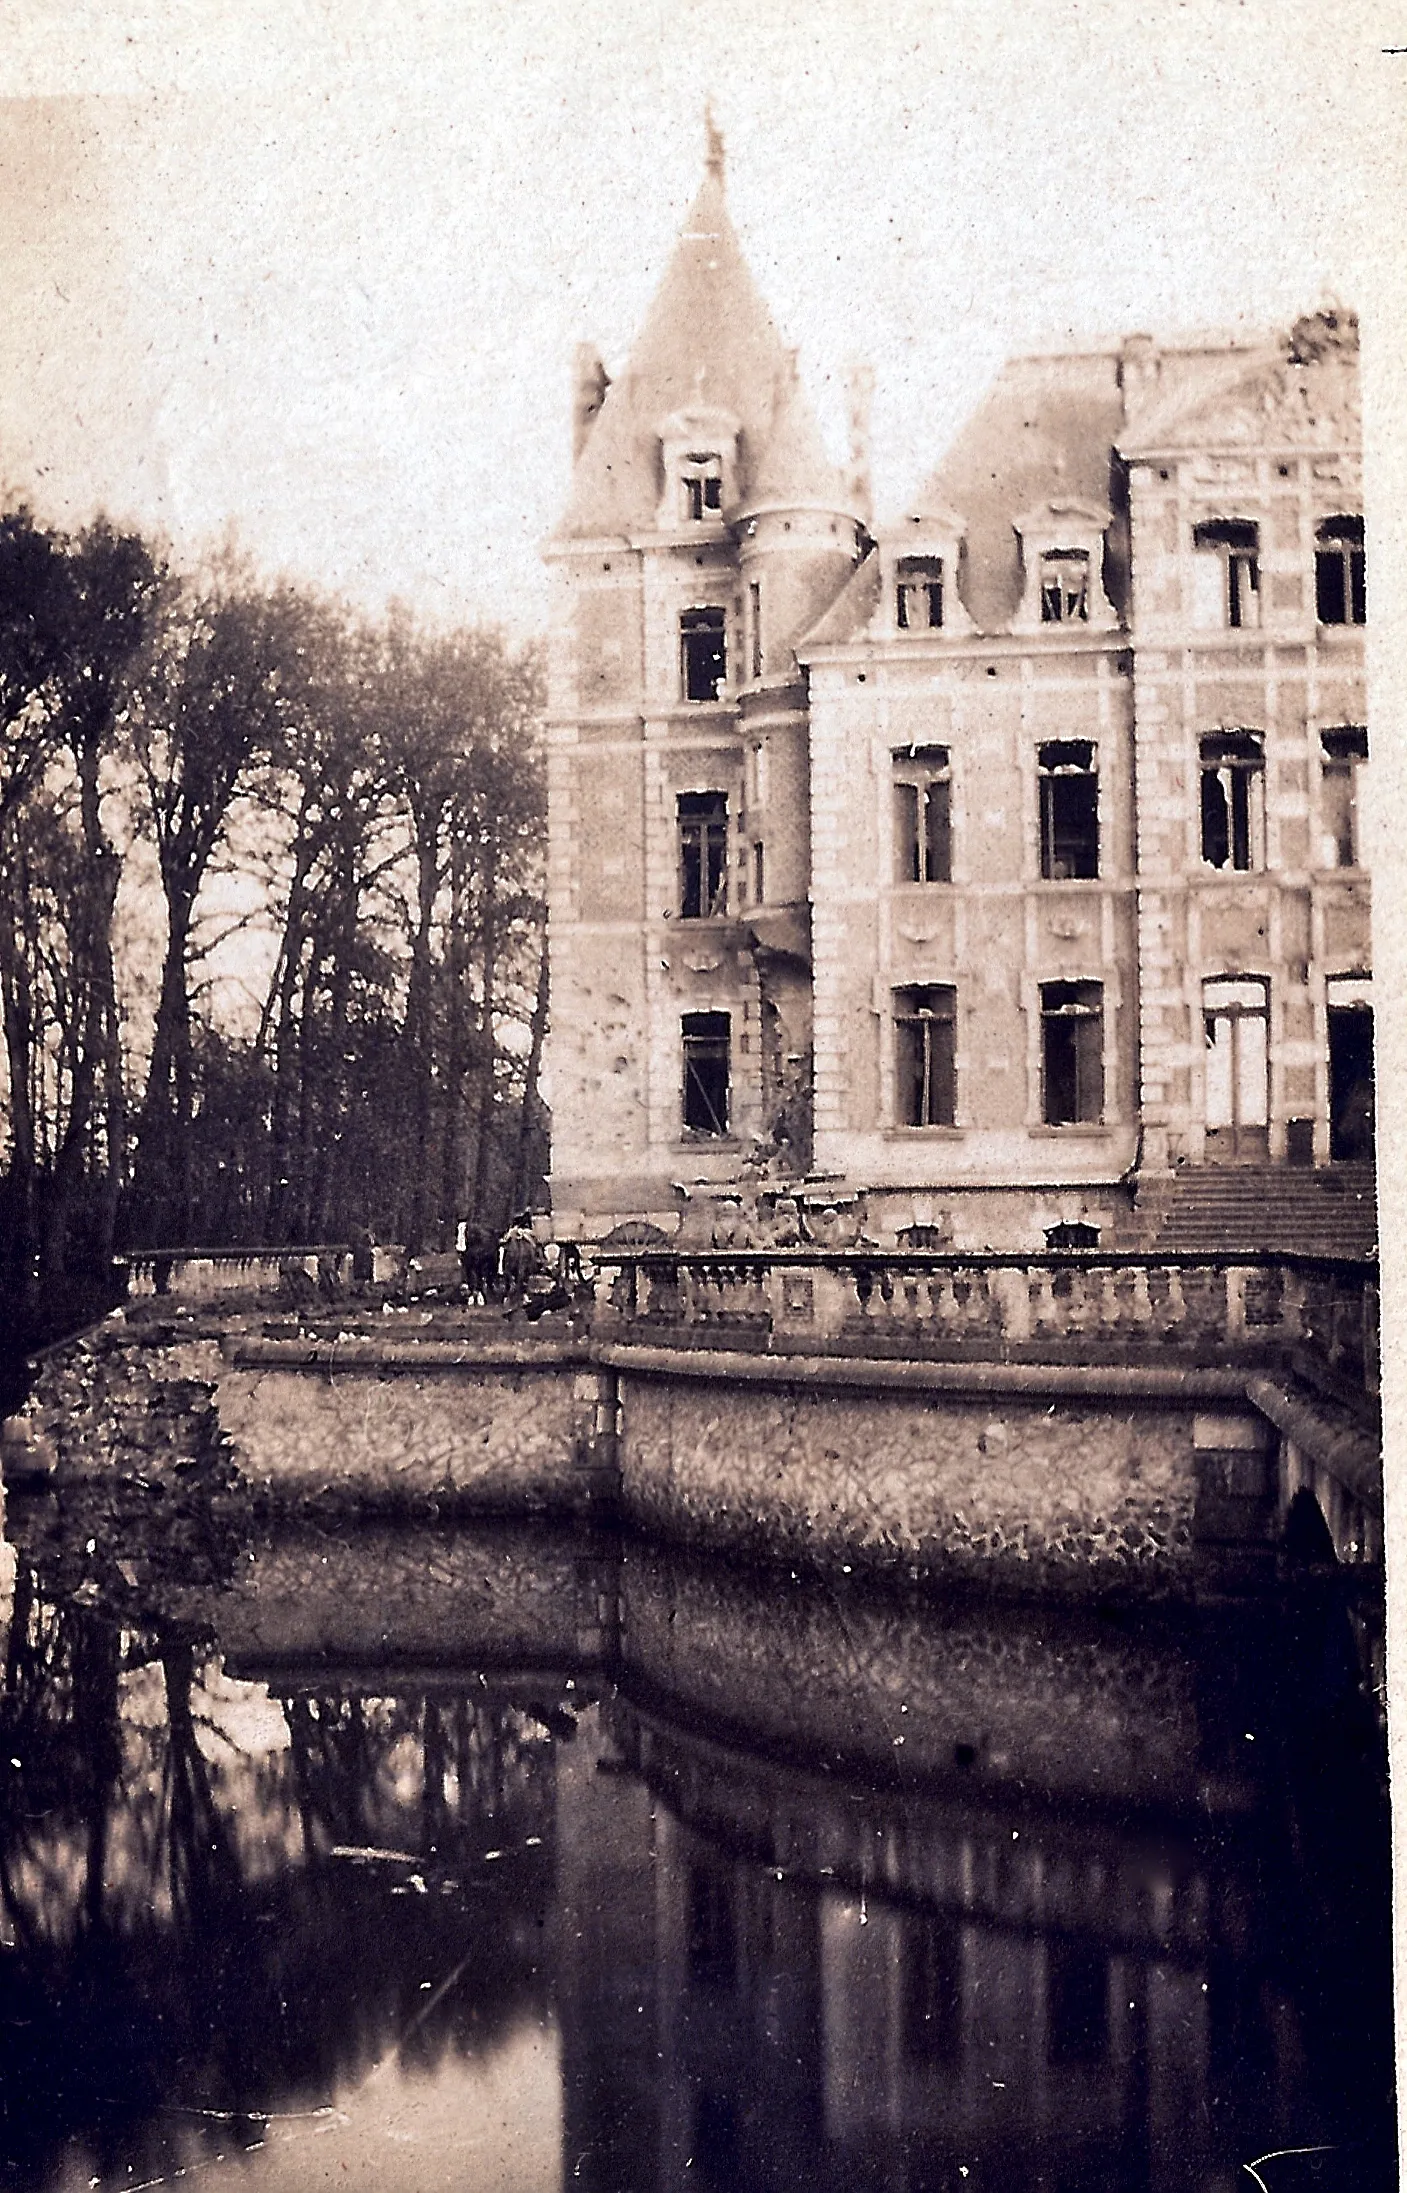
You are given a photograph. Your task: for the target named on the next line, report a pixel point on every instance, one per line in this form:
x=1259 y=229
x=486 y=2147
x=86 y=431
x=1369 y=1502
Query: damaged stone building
x=998 y=867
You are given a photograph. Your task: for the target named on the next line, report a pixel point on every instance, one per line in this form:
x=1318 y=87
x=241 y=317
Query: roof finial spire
x=713 y=140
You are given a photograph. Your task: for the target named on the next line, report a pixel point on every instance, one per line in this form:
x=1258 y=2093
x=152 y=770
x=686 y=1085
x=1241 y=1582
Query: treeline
x=271 y=923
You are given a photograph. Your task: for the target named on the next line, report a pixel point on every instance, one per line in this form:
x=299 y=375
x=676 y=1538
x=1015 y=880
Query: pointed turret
x=709 y=347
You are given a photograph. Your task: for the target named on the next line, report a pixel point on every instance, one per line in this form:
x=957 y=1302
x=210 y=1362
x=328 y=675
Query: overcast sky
x=313 y=271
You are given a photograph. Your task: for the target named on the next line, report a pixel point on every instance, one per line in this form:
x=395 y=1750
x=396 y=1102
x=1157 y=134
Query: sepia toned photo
x=695 y=742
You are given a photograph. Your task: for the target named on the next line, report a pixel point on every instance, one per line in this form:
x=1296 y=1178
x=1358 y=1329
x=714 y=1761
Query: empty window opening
x=706 y=1041
x=702 y=480
x=759 y=874
x=1351 y=1103
x=1069 y=792
x=704 y=653
x=923 y=818
x=703 y=854
x=925 y=1029
x=931 y=1955
x=1228 y=572
x=712 y=1931
x=1339 y=578
x=1077 y=2002
x=918 y=602
x=754 y=595
x=1064 y=586
x=1233 y=800
x=1236 y=1034
x=1344 y=751
x=1072 y=1053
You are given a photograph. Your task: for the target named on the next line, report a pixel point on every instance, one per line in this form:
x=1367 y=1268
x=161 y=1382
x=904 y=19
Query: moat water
x=515 y=1860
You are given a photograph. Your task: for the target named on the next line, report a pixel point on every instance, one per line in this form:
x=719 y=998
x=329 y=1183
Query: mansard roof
x=708 y=342
x=1044 y=433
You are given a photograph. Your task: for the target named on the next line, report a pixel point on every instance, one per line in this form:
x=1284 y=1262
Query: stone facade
x=982 y=863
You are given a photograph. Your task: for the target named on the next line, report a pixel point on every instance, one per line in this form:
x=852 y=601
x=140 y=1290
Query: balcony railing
x=1055 y=1306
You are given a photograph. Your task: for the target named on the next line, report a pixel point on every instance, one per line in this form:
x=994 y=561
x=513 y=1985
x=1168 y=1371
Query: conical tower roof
x=795 y=466
x=708 y=342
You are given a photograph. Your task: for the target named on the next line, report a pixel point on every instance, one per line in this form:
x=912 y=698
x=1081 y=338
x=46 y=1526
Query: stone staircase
x=1324 y=1211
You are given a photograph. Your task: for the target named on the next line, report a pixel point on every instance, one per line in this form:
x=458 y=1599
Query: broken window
x=1344 y=751
x=1228 y=572
x=1069 y=789
x=703 y=653
x=1233 y=800
x=706 y=1044
x=754 y=595
x=701 y=476
x=1236 y=1027
x=1072 y=1053
x=1339 y=590
x=922 y=815
x=1064 y=586
x=918 y=603
x=925 y=1027
x=703 y=854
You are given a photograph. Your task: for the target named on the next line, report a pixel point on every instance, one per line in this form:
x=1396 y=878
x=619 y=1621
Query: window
x=706 y=1040
x=1349 y=1001
x=712 y=1938
x=931 y=1953
x=703 y=653
x=1236 y=1029
x=1228 y=572
x=1339 y=591
x=703 y=854
x=759 y=874
x=1064 y=586
x=701 y=478
x=754 y=595
x=1077 y=2002
x=922 y=815
x=1344 y=751
x=918 y=601
x=1072 y=1053
x=925 y=1028
x=1069 y=788
x=1233 y=800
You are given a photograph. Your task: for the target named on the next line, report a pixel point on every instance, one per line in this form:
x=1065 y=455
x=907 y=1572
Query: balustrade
x=943 y=1302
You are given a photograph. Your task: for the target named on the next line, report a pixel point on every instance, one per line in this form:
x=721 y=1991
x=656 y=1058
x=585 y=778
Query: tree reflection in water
x=818 y=1890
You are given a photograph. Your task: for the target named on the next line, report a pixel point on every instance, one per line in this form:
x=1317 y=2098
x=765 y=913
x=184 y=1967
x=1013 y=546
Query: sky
x=309 y=276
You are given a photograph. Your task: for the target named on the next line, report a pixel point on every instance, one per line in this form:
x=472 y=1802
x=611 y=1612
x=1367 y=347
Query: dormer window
x=698 y=467
x=918 y=594
x=1065 y=586
x=1062 y=556
x=701 y=481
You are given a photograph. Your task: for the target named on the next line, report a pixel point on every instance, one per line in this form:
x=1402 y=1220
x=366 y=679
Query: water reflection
x=511 y=1860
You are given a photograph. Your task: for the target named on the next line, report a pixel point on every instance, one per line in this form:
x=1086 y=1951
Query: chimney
x=1140 y=371
x=859 y=400
x=589 y=384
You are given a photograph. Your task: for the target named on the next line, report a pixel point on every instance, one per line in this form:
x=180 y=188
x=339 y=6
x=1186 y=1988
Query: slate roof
x=708 y=340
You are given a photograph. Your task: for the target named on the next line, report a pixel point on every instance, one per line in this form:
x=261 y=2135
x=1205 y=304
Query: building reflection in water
x=798 y=1891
